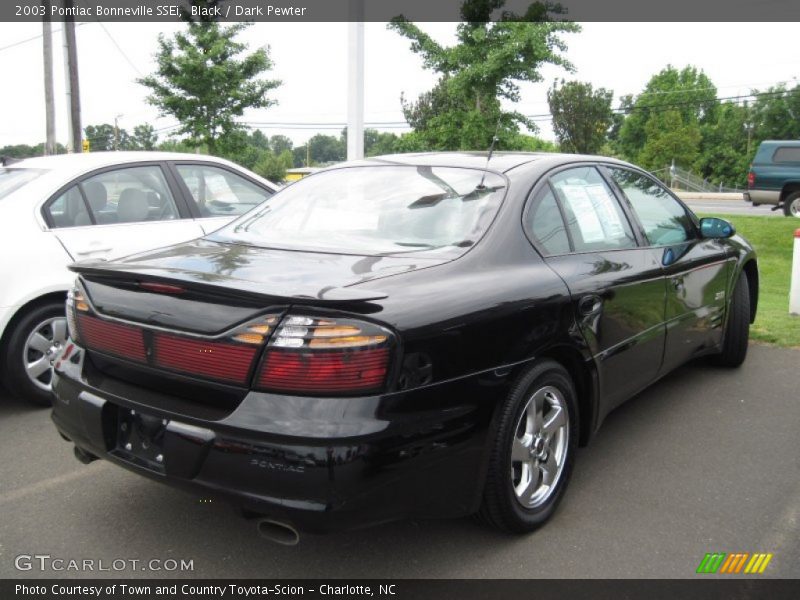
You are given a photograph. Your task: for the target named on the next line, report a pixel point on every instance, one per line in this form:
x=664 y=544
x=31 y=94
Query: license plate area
x=140 y=439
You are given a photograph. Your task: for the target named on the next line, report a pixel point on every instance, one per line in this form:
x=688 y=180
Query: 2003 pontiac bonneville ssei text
x=426 y=335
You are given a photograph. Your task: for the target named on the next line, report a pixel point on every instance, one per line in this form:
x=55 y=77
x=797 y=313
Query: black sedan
x=425 y=335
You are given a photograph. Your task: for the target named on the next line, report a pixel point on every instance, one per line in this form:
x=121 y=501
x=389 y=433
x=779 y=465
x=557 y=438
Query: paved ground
x=706 y=460
x=732 y=207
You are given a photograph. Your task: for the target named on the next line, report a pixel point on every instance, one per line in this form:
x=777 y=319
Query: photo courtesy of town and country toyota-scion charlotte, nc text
x=189 y=590
x=157 y=9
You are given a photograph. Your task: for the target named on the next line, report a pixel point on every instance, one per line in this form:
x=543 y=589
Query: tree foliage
x=673 y=106
x=582 y=116
x=144 y=137
x=483 y=68
x=105 y=137
x=724 y=153
x=20 y=151
x=775 y=114
x=273 y=165
x=205 y=82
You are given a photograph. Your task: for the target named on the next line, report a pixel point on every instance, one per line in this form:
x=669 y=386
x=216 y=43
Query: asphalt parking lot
x=706 y=460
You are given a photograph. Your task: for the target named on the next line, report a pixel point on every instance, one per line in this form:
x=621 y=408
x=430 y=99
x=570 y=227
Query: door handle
x=93 y=251
x=588 y=305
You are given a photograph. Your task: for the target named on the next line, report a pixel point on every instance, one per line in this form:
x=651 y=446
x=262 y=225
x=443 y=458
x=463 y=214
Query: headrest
x=96 y=194
x=132 y=206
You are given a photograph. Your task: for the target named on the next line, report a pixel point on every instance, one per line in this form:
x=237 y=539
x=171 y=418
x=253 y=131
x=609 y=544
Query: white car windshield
x=13 y=179
x=375 y=210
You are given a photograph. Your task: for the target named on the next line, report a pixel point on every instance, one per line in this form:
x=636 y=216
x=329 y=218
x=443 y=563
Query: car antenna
x=495 y=139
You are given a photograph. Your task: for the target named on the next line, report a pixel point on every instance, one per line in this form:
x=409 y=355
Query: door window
x=219 y=192
x=595 y=219
x=665 y=221
x=130 y=195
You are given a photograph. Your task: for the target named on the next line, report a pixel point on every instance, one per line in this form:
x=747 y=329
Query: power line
x=30 y=39
x=113 y=41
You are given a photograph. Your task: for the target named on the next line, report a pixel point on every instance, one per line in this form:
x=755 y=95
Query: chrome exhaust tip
x=275 y=531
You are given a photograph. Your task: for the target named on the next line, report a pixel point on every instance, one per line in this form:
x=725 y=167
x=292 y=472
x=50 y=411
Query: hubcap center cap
x=538 y=447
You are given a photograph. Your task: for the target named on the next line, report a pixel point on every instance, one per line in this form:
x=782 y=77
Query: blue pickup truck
x=774 y=176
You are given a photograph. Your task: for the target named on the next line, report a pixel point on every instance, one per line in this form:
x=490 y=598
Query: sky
x=311 y=60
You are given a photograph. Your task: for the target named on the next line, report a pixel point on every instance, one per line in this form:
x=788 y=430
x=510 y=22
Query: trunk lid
x=218 y=286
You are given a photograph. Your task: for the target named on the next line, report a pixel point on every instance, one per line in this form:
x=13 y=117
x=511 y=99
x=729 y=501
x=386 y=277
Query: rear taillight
x=124 y=341
x=751 y=180
x=320 y=356
x=228 y=358
x=211 y=359
x=72 y=318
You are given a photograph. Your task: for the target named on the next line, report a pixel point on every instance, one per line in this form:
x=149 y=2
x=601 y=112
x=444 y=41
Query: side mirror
x=713 y=229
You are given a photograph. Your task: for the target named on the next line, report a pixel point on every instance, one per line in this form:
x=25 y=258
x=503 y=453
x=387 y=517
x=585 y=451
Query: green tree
x=669 y=138
x=300 y=156
x=280 y=144
x=483 y=68
x=686 y=99
x=327 y=149
x=259 y=140
x=582 y=116
x=273 y=166
x=25 y=151
x=144 y=138
x=724 y=156
x=202 y=80
x=377 y=143
x=105 y=137
x=173 y=145
x=776 y=114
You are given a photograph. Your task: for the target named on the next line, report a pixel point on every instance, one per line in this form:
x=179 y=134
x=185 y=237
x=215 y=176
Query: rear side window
x=221 y=193
x=787 y=154
x=594 y=218
x=545 y=224
x=68 y=210
x=664 y=219
x=13 y=179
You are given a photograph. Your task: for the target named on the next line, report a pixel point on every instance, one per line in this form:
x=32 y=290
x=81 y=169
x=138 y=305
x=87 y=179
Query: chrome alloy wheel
x=539 y=447
x=794 y=207
x=41 y=348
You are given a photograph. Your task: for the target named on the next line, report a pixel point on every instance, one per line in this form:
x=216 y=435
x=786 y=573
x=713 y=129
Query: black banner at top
x=385 y=10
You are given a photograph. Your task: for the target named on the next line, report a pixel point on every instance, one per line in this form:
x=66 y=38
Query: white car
x=59 y=209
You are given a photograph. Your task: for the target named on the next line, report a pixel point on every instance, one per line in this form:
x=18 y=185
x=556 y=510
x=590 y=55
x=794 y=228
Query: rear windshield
x=13 y=179
x=375 y=210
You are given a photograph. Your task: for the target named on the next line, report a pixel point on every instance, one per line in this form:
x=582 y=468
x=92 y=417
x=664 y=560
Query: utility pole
x=73 y=89
x=355 y=82
x=49 y=105
x=116 y=132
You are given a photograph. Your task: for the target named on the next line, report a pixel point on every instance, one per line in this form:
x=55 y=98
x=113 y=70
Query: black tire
x=791 y=199
x=737 y=330
x=15 y=377
x=500 y=507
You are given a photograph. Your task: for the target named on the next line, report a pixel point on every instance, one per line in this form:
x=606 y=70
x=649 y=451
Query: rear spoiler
x=219 y=284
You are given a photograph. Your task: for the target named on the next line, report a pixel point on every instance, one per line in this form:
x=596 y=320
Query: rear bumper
x=764 y=196
x=320 y=464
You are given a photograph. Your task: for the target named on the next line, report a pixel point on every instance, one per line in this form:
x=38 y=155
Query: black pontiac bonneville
x=423 y=335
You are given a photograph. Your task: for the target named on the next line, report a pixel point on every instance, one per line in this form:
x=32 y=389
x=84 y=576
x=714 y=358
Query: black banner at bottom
x=400 y=589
